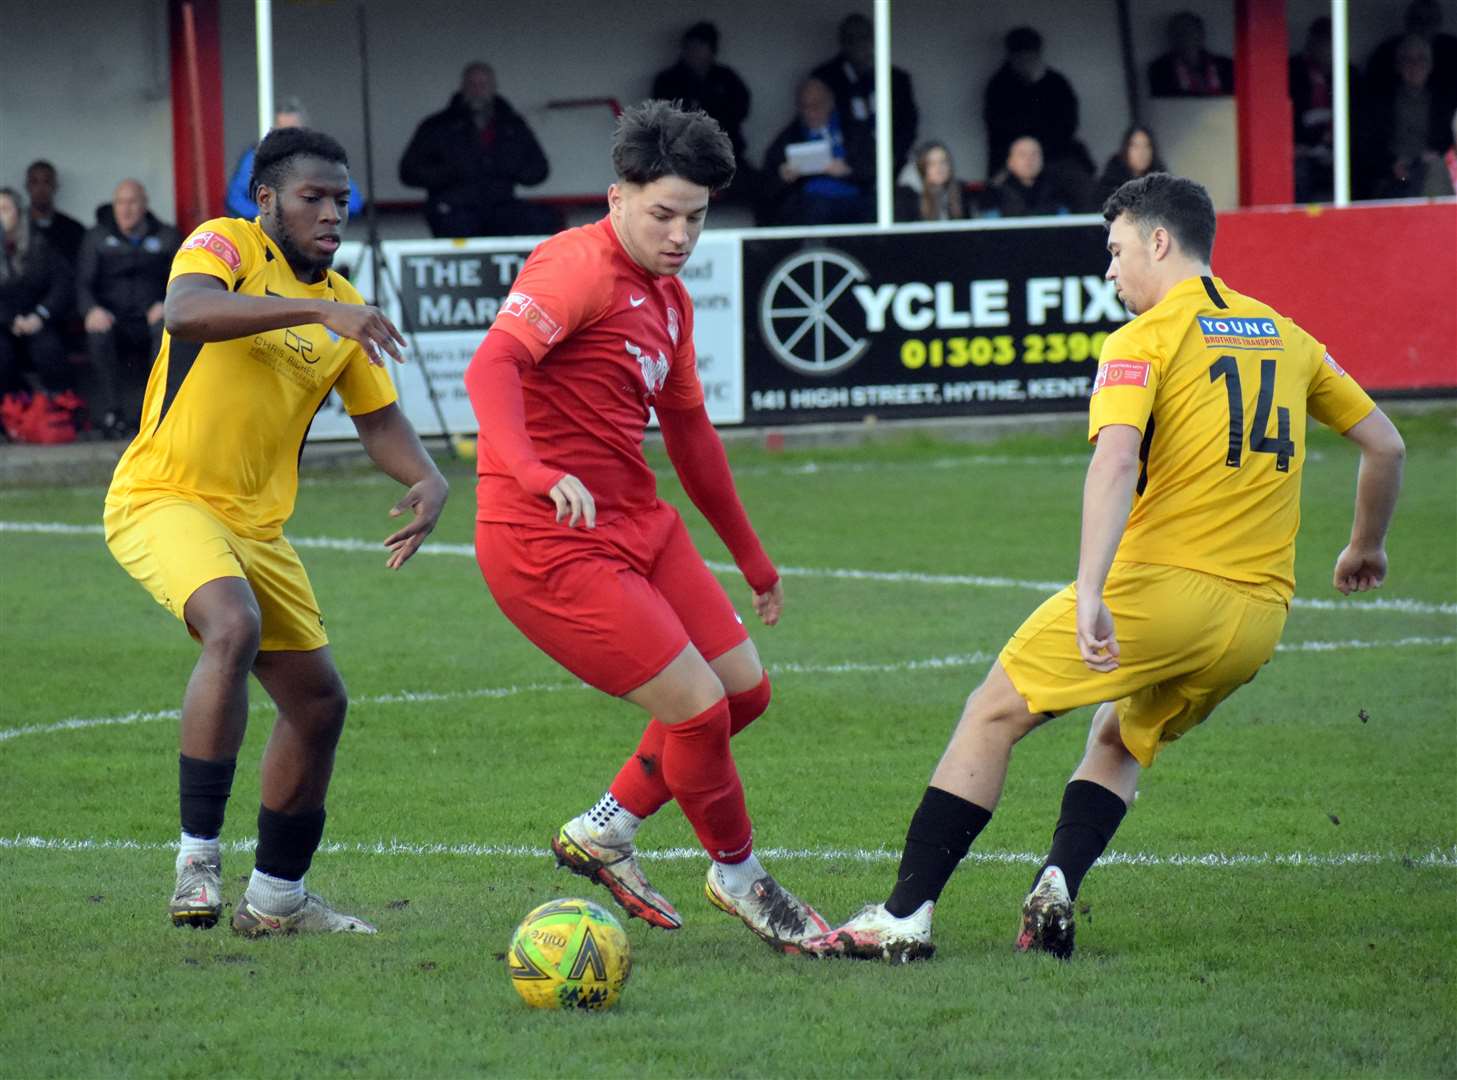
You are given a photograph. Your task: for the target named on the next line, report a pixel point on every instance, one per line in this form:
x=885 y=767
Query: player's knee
x=748 y=706
x=996 y=706
x=1106 y=730
x=232 y=634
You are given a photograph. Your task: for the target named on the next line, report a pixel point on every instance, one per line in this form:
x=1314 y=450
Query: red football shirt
x=609 y=340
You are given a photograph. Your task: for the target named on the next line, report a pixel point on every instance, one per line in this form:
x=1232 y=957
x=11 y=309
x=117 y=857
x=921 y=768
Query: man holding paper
x=819 y=171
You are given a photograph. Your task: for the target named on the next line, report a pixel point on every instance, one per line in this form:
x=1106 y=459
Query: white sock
x=274 y=895
x=738 y=878
x=609 y=822
x=196 y=847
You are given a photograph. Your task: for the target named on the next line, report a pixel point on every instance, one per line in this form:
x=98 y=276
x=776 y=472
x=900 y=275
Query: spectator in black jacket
x=62 y=231
x=120 y=286
x=1188 y=69
x=1026 y=97
x=1025 y=188
x=470 y=156
x=35 y=294
x=841 y=192
x=850 y=75
x=699 y=81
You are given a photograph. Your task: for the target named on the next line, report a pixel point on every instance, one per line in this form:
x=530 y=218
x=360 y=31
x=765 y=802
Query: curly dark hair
x=273 y=160
x=661 y=138
x=1173 y=202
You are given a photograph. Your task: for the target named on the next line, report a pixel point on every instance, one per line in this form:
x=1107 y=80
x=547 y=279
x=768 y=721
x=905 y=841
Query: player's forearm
x=1107 y=497
x=392 y=444
x=1377 y=485
x=699 y=459
x=493 y=382
x=217 y=315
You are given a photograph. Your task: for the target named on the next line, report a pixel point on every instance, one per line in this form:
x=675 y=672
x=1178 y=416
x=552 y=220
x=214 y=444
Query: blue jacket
x=241 y=205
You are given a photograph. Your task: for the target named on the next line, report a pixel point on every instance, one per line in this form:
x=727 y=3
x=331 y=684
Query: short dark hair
x=273 y=160
x=1173 y=202
x=705 y=32
x=661 y=138
x=40 y=163
x=1023 y=39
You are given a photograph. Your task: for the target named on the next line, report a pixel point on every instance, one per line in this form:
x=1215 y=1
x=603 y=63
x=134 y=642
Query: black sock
x=1091 y=815
x=941 y=833
x=203 y=788
x=287 y=842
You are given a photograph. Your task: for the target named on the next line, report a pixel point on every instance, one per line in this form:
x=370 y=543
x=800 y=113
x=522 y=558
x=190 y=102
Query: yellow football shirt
x=1220 y=385
x=224 y=422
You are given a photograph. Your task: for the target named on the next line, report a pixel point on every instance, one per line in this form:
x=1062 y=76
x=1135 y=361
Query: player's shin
x=941 y=833
x=1090 y=816
x=203 y=788
x=286 y=846
x=699 y=770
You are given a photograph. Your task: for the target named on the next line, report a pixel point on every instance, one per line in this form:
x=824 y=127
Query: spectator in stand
x=1311 y=100
x=1137 y=156
x=938 y=195
x=63 y=232
x=1449 y=159
x=470 y=156
x=699 y=81
x=838 y=192
x=1188 y=69
x=120 y=285
x=35 y=294
x=1026 y=97
x=850 y=75
x=1403 y=130
x=288 y=114
x=1424 y=19
x=1025 y=188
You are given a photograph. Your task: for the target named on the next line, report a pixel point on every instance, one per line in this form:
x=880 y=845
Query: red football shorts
x=613 y=605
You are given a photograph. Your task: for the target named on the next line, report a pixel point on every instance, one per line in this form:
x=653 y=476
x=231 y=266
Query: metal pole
x=1340 y=103
x=884 y=177
x=263 y=18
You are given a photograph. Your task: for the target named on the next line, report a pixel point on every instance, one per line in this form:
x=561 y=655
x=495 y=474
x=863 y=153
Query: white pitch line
x=930 y=663
x=1402 y=605
x=1441 y=858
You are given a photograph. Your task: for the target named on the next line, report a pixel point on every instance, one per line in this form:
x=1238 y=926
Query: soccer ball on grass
x=569 y=954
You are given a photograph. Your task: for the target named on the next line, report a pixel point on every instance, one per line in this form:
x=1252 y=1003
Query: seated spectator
x=289 y=113
x=1137 y=156
x=1025 y=188
x=1402 y=132
x=470 y=156
x=63 y=232
x=1311 y=101
x=1188 y=69
x=850 y=75
x=842 y=190
x=1026 y=97
x=938 y=195
x=35 y=295
x=1424 y=19
x=121 y=283
x=1449 y=159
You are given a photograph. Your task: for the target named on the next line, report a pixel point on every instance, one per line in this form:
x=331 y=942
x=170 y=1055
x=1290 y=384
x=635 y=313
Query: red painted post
x=1262 y=98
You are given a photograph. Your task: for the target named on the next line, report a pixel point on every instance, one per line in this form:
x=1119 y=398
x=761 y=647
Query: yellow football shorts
x=174 y=545
x=1187 y=640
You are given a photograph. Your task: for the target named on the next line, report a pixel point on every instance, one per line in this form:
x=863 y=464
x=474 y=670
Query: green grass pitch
x=1280 y=901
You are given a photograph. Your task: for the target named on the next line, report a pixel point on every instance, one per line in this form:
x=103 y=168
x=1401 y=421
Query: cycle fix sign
x=925 y=323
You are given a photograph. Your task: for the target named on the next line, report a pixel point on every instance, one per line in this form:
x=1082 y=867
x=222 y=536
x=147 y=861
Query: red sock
x=699 y=769
x=639 y=785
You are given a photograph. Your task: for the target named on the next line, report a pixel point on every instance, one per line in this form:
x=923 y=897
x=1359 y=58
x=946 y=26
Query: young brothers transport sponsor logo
x=1121 y=373
x=1232 y=333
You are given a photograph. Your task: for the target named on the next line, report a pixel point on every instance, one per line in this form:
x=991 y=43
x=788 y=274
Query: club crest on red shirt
x=673 y=324
x=654 y=371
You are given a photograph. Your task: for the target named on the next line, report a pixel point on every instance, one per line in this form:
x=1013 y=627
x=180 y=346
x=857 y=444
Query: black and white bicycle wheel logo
x=798 y=315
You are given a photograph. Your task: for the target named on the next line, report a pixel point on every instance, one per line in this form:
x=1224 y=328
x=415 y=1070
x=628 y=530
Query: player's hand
x=770 y=605
x=370 y=327
x=99 y=320
x=425 y=499
x=1096 y=640
x=574 y=502
x=1358 y=570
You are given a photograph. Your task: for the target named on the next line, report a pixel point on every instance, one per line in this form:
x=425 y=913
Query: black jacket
x=124 y=278
x=721 y=94
x=1046 y=109
x=447 y=158
x=43 y=280
x=859 y=142
x=65 y=234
